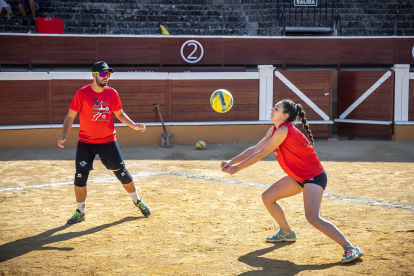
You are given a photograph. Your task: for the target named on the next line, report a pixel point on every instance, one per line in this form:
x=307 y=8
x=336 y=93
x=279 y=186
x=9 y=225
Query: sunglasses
x=103 y=74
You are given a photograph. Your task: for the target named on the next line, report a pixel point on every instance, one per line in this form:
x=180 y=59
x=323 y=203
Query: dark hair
x=294 y=111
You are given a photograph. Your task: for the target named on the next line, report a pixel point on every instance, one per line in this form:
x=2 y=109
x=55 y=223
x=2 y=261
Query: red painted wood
x=311 y=51
x=63 y=50
x=15 y=49
x=367 y=51
x=365 y=130
x=253 y=51
x=411 y=101
x=190 y=100
x=129 y=50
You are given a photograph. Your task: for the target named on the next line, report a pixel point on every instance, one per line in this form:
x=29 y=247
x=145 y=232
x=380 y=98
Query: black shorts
x=110 y=155
x=320 y=180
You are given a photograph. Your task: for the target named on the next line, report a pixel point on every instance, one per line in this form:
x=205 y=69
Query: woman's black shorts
x=320 y=180
x=110 y=155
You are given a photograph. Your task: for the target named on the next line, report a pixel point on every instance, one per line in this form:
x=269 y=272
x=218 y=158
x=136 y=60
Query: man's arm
x=67 y=125
x=121 y=115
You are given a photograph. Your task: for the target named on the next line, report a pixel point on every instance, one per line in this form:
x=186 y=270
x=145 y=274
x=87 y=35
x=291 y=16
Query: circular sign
x=194 y=47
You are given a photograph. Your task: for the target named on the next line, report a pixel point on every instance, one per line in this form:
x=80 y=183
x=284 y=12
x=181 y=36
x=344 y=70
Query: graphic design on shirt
x=100 y=110
x=276 y=154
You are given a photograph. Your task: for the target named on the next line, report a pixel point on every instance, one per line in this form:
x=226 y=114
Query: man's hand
x=139 y=126
x=231 y=170
x=61 y=141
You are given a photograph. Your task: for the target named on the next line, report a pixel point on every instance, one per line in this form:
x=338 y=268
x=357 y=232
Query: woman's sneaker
x=282 y=236
x=145 y=210
x=76 y=217
x=351 y=253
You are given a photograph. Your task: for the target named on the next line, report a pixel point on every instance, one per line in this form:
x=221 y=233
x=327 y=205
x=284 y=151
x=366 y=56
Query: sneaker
x=282 y=236
x=76 y=217
x=145 y=210
x=351 y=253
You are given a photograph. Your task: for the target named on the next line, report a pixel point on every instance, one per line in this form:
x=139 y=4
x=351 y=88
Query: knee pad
x=81 y=178
x=123 y=175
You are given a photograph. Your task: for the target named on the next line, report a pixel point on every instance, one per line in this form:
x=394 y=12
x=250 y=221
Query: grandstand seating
x=215 y=17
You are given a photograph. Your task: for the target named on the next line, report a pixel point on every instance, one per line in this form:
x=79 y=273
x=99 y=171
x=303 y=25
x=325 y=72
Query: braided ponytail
x=301 y=114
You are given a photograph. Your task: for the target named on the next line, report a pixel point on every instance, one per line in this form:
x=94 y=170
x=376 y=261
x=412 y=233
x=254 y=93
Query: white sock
x=81 y=206
x=135 y=196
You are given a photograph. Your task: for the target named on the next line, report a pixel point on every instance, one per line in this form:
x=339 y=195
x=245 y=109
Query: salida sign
x=306 y=2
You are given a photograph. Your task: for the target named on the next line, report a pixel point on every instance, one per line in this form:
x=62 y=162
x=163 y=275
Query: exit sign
x=306 y=2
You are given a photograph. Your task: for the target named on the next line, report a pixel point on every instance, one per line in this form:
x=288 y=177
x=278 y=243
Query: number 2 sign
x=192 y=51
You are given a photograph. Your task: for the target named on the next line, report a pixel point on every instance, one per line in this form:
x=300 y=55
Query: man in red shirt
x=95 y=103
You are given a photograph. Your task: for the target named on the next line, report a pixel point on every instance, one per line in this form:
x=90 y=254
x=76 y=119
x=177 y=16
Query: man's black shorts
x=110 y=155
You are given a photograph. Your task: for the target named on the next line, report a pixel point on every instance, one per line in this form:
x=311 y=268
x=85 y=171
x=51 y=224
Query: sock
x=135 y=196
x=81 y=206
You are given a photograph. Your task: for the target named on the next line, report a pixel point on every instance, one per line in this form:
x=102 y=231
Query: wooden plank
x=377 y=106
x=367 y=51
x=315 y=84
x=365 y=130
x=171 y=51
x=22 y=111
x=214 y=116
x=15 y=119
x=204 y=98
x=209 y=86
x=129 y=50
x=15 y=49
x=63 y=50
x=23 y=90
x=311 y=51
x=24 y=104
x=411 y=101
x=403 y=50
x=252 y=51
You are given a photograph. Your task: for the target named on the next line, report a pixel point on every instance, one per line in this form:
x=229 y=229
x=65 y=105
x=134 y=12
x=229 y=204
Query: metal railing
x=324 y=17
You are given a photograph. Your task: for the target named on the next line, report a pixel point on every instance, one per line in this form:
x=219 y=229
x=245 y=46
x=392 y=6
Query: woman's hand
x=225 y=164
x=231 y=170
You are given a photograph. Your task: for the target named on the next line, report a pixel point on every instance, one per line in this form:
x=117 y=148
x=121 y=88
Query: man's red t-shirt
x=296 y=156
x=95 y=114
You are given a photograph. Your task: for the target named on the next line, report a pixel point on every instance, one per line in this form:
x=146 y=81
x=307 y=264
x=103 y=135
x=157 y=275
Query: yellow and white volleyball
x=201 y=145
x=221 y=100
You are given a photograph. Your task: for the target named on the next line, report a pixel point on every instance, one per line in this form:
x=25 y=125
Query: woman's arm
x=278 y=137
x=248 y=152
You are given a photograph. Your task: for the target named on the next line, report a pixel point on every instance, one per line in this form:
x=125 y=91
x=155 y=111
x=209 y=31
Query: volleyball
x=221 y=100
x=201 y=145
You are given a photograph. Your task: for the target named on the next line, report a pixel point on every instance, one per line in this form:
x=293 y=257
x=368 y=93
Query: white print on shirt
x=101 y=111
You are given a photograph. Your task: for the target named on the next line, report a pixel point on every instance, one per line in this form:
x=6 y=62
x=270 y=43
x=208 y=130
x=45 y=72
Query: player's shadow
x=20 y=247
x=277 y=267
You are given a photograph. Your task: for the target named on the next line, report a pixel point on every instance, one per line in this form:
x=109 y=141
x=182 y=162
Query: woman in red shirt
x=298 y=159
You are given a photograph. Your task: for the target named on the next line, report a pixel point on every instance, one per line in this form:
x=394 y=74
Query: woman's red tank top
x=296 y=155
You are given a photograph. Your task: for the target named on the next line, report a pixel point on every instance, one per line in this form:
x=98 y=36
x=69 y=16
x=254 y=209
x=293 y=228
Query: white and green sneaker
x=351 y=253
x=282 y=236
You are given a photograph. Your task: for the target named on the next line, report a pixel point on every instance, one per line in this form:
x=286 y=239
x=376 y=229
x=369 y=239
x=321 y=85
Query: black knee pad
x=81 y=178
x=123 y=175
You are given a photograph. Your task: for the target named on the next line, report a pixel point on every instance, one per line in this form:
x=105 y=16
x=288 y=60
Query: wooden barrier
x=311 y=89
x=204 y=50
x=365 y=103
x=404 y=103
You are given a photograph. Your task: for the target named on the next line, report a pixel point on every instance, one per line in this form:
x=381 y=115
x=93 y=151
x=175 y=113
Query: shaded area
x=279 y=267
x=338 y=150
x=20 y=247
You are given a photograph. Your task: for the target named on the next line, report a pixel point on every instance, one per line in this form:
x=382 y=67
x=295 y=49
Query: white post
x=265 y=91
x=402 y=79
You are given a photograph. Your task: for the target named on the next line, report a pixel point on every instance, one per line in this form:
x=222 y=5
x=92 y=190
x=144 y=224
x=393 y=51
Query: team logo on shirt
x=99 y=109
x=96 y=102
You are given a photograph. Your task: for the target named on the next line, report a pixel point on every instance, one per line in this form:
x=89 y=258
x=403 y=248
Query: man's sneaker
x=351 y=253
x=145 y=210
x=76 y=217
x=282 y=236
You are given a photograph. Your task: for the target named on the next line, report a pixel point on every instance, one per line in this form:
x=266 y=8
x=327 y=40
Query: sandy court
x=204 y=222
